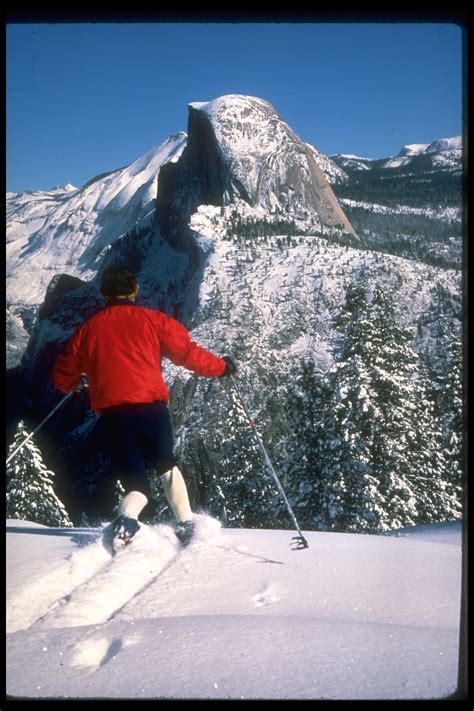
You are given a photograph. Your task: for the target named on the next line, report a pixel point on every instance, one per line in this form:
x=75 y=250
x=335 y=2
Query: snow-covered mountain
x=444 y=153
x=271 y=168
x=68 y=230
x=351 y=161
x=238 y=147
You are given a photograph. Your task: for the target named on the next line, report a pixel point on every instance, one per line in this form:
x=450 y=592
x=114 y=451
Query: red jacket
x=120 y=350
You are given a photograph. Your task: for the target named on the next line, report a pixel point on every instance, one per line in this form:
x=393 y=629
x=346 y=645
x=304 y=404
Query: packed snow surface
x=236 y=615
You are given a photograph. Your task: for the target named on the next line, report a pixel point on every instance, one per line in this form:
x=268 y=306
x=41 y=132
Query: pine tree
x=444 y=368
x=410 y=457
x=452 y=419
x=30 y=492
x=330 y=473
x=244 y=486
x=378 y=461
x=350 y=498
x=309 y=412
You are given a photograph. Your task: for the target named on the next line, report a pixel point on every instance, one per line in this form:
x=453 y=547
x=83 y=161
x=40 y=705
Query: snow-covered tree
x=452 y=417
x=30 y=491
x=347 y=492
x=309 y=409
x=411 y=452
x=443 y=361
x=243 y=488
x=376 y=446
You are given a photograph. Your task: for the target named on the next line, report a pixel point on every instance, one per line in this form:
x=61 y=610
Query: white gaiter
x=177 y=494
x=132 y=504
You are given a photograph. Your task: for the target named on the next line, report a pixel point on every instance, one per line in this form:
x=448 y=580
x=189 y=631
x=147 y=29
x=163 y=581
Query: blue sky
x=83 y=99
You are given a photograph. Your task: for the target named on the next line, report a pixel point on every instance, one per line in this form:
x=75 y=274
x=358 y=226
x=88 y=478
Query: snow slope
x=236 y=615
x=68 y=230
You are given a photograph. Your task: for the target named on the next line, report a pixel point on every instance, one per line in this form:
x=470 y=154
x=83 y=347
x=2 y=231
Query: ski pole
x=300 y=540
x=20 y=446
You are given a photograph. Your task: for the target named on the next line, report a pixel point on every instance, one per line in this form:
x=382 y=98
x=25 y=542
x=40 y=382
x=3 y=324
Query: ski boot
x=184 y=531
x=123 y=530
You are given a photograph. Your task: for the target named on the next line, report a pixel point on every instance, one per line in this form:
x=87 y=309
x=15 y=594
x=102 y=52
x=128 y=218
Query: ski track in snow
x=45 y=592
x=60 y=597
x=91 y=587
x=111 y=586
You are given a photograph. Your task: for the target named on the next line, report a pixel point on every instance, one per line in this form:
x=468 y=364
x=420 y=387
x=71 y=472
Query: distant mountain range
x=444 y=154
x=410 y=204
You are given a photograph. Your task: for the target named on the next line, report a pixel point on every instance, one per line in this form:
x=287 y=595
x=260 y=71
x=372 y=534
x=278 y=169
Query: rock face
x=240 y=148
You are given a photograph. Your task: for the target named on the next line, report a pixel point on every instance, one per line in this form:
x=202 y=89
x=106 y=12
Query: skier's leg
x=121 y=425
x=125 y=525
x=177 y=494
x=132 y=504
x=157 y=439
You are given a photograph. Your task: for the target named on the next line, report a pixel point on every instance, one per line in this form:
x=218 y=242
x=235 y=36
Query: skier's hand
x=231 y=366
x=82 y=384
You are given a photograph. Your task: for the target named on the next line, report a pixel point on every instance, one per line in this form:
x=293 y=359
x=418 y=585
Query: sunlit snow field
x=236 y=615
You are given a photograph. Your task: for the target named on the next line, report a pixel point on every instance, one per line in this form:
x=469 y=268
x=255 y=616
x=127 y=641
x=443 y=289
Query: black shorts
x=141 y=438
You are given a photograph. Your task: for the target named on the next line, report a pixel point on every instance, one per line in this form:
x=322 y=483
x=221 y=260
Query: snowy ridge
x=239 y=615
x=445 y=153
x=67 y=231
x=413 y=149
x=352 y=161
x=451 y=147
x=445 y=144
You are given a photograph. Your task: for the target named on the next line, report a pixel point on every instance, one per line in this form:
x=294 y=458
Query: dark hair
x=117 y=281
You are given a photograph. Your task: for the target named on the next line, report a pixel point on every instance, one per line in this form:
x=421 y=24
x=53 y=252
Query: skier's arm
x=178 y=346
x=68 y=366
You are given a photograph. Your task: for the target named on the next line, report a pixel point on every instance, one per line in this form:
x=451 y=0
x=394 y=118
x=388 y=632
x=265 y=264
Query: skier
x=119 y=349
